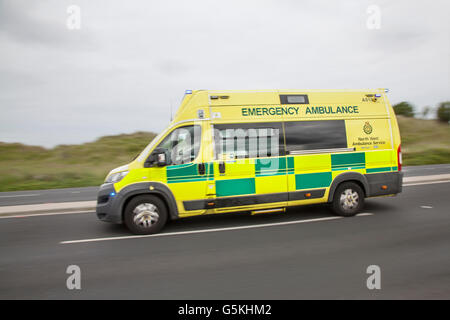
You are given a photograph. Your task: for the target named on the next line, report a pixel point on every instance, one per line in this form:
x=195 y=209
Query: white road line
x=426 y=207
x=209 y=230
x=427 y=178
x=422 y=183
x=84 y=211
x=44 y=214
x=22 y=195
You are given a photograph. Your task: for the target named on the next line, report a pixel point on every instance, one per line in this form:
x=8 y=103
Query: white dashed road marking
x=264 y=225
x=22 y=195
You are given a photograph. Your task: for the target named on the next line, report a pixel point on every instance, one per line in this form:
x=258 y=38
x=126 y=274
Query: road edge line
x=25 y=215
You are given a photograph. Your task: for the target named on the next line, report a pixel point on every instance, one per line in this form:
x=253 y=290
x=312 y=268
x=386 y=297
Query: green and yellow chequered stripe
x=189 y=173
x=304 y=167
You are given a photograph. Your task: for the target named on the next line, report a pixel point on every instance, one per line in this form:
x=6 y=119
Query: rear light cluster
x=399 y=158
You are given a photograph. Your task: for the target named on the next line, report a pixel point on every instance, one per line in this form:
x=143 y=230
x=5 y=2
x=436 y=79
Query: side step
x=268 y=211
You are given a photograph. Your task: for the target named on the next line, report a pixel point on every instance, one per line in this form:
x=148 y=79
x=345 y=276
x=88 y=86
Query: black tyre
x=348 y=199
x=145 y=214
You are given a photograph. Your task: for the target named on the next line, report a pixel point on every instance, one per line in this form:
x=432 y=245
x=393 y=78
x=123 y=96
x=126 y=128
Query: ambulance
x=259 y=152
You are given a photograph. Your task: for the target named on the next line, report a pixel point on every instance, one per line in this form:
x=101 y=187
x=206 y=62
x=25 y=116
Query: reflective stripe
x=296 y=152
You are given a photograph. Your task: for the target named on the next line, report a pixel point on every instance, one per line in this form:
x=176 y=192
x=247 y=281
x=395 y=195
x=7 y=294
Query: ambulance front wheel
x=145 y=214
x=348 y=199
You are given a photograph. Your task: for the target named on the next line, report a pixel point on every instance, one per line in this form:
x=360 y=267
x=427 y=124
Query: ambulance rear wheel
x=145 y=214
x=348 y=199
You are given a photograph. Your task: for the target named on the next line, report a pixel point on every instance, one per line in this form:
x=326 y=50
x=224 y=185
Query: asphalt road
x=90 y=193
x=407 y=236
x=47 y=196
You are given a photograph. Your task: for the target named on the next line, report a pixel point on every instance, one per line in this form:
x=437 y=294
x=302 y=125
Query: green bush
x=404 y=108
x=443 y=112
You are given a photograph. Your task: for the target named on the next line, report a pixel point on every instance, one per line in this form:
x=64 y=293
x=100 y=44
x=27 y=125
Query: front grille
x=103 y=199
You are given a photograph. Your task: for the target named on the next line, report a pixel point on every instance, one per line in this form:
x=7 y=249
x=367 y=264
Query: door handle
x=222 y=167
x=201 y=168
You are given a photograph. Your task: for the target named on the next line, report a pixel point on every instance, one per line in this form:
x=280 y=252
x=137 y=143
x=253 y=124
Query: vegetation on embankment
x=29 y=167
x=424 y=141
x=25 y=167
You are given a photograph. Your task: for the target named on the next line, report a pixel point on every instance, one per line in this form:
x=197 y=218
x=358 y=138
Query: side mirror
x=161 y=160
x=159 y=157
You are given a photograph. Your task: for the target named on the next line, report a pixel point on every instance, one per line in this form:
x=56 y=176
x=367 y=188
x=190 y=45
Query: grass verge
x=29 y=167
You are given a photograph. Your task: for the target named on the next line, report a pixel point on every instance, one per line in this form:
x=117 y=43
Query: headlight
x=116 y=177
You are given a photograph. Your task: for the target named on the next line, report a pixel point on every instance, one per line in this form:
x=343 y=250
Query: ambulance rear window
x=294 y=99
x=315 y=135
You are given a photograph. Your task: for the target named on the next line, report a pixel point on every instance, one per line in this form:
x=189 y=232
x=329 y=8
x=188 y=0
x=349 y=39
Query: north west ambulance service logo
x=367 y=128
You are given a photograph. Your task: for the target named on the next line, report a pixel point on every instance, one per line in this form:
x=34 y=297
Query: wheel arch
x=149 y=188
x=356 y=177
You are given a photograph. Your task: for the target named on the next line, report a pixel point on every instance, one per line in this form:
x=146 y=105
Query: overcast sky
x=130 y=60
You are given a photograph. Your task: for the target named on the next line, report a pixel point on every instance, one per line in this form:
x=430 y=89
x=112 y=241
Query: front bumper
x=108 y=204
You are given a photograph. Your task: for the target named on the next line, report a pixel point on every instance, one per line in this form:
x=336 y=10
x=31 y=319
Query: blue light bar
x=112 y=194
x=188 y=92
x=377 y=95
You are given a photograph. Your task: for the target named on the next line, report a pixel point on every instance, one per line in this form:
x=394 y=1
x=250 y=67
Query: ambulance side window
x=315 y=135
x=248 y=140
x=183 y=144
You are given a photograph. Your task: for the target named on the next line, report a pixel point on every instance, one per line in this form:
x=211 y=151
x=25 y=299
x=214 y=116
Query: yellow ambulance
x=259 y=151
